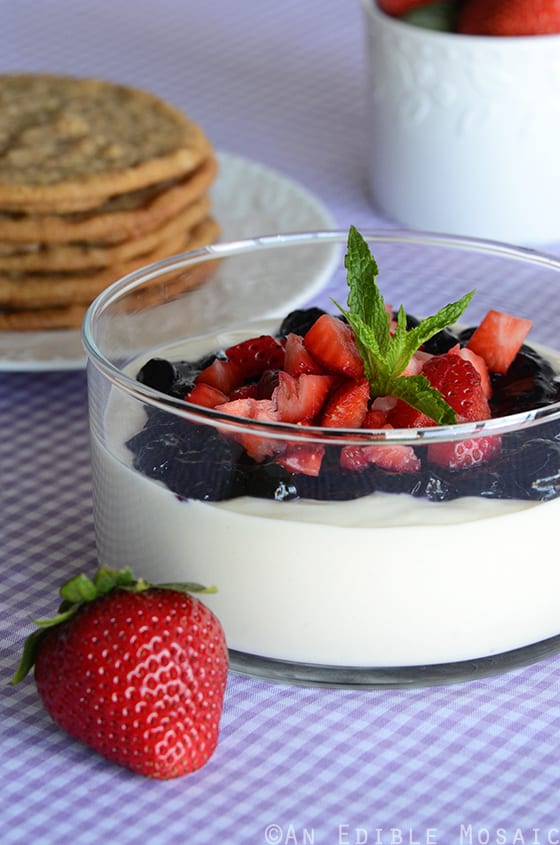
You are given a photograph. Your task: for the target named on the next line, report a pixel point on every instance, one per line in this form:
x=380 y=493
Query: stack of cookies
x=96 y=180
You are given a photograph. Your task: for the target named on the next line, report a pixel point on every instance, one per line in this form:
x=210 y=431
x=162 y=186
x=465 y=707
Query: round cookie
x=126 y=216
x=46 y=258
x=69 y=144
x=28 y=294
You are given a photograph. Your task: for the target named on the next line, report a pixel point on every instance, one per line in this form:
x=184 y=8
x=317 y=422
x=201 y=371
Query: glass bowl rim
x=309 y=434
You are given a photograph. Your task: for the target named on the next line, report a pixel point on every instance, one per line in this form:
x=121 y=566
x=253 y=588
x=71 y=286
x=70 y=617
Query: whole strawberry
x=509 y=17
x=135 y=671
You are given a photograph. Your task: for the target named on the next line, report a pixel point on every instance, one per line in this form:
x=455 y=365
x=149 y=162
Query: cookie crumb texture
x=56 y=130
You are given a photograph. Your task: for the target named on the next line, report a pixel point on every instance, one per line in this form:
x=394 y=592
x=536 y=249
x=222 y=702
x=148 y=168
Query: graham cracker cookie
x=87 y=256
x=68 y=144
x=129 y=215
x=33 y=292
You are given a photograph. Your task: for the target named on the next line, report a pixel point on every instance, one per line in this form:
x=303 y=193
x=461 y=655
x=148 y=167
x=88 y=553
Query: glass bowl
x=370 y=578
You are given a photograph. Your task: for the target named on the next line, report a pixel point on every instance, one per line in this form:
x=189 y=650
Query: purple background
x=281 y=83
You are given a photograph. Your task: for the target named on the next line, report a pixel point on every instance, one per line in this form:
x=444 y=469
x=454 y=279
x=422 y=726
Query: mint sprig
x=386 y=354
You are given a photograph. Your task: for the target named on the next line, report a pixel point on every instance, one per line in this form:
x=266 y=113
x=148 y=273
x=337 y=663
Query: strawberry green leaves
x=80 y=590
x=386 y=350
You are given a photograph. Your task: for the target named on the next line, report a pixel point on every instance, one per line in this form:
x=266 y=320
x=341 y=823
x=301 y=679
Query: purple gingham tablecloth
x=473 y=763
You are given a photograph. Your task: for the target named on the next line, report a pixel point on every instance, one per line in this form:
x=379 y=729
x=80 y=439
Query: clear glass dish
x=375 y=579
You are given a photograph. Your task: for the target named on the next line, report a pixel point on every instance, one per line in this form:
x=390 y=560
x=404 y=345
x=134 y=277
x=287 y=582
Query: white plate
x=248 y=200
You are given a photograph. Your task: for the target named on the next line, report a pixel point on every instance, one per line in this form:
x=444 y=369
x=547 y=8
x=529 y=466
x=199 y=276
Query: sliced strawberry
x=383 y=403
x=297 y=359
x=246 y=391
x=300 y=398
x=460 y=384
x=256 y=355
x=302 y=458
x=458 y=380
x=267 y=384
x=223 y=375
x=331 y=342
x=403 y=415
x=347 y=405
x=478 y=363
x=206 y=395
x=374 y=418
x=251 y=409
x=416 y=363
x=464 y=453
x=354 y=458
x=257 y=446
x=394 y=458
x=498 y=339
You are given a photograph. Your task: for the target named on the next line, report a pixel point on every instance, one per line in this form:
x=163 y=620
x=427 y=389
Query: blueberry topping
x=529 y=383
x=438 y=344
x=158 y=374
x=299 y=321
x=538 y=471
x=194 y=461
x=175 y=379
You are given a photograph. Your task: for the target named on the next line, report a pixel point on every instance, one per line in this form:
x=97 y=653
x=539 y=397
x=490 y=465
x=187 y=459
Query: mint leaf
x=418 y=392
x=386 y=355
x=365 y=300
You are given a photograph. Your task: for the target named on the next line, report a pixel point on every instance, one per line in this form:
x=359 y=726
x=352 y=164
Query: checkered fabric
x=477 y=762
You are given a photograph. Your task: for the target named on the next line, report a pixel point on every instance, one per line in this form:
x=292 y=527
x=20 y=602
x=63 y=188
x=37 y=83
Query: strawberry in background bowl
x=479 y=17
x=462 y=112
x=373 y=485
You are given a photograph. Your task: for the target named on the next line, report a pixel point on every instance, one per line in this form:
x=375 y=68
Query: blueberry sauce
x=195 y=461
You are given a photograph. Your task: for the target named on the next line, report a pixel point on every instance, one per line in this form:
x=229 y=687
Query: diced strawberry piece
x=383 y=403
x=460 y=384
x=458 y=380
x=257 y=446
x=223 y=375
x=347 y=405
x=498 y=339
x=354 y=458
x=416 y=363
x=478 y=362
x=267 y=384
x=256 y=355
x=463 y=454
x=252 y=409
x=302 y=458
x=297 y=359
x=206 y=395
x=374 y=419
x=300 y=398
x=394 y=458
x=246 y=391
x=404 y=415
x=331 y=342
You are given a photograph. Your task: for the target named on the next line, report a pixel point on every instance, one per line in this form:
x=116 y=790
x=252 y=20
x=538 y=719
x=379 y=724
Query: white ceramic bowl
x=463 y=130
